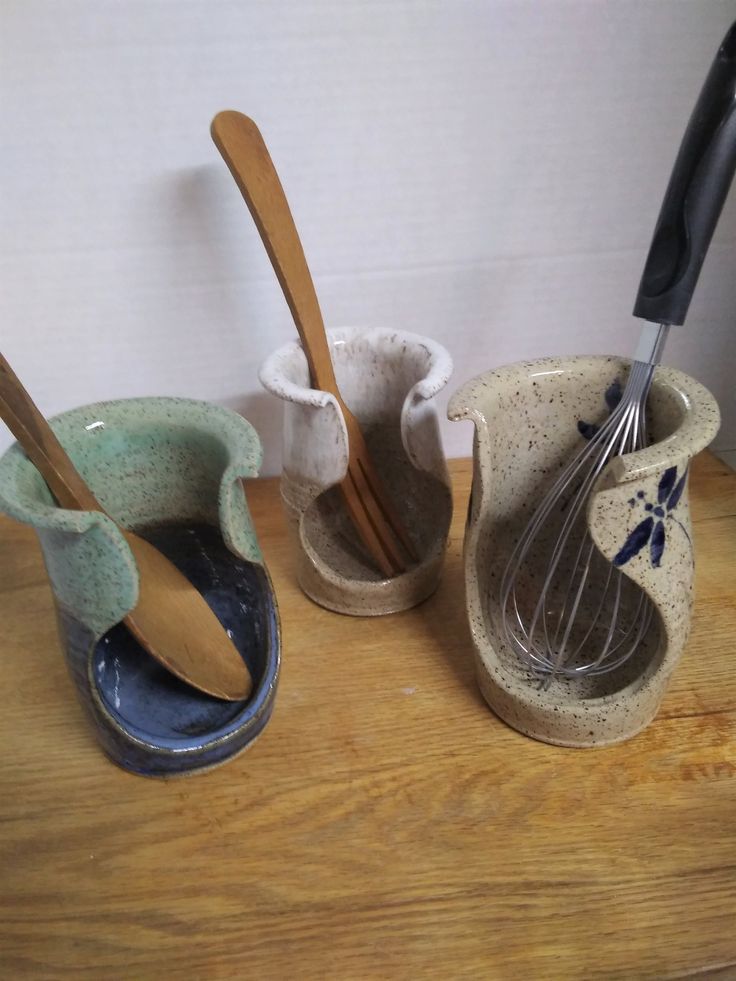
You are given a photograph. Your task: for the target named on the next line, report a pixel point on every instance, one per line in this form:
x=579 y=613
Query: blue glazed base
x=149 y=721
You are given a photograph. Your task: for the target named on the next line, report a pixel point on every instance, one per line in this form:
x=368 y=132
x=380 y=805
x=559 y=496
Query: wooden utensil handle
x=242 y=147
x=39 y=441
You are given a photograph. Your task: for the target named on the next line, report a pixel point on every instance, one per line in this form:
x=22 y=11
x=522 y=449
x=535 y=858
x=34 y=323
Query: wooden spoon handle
x=242 y=148
x=39 y=441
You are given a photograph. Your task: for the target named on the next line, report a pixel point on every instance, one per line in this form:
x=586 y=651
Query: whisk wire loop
x=595 y=621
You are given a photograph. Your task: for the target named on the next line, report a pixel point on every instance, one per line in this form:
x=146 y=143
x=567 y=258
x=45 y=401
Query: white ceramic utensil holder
x=388 y=379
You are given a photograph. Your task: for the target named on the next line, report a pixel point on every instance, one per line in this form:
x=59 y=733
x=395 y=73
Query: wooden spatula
x=171 y=619
x=370 y=508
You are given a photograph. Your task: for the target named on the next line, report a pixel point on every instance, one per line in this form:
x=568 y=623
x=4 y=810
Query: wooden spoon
x=370 y=508
x=171 y=619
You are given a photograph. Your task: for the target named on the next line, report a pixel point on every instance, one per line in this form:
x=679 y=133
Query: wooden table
x=387 y=824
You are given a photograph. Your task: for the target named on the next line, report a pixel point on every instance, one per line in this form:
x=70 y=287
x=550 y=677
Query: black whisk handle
x=698 y=187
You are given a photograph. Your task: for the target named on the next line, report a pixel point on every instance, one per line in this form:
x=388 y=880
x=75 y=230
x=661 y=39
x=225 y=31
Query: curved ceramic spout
x=638 y=513
x=380 y=369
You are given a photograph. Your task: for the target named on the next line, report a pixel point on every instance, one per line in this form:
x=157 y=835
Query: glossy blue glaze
x=150 y=721
x=652 y=529
x=612 y=397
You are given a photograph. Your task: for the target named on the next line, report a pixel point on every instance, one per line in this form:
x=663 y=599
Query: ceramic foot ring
x=388 y=380
x=171 y=470
x=529 y=419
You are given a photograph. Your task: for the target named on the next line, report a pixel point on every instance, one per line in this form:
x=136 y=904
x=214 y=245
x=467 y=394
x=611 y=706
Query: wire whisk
x=588 y=617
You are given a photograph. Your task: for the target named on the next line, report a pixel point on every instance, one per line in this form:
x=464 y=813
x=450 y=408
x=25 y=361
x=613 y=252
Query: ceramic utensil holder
x=388 y=379
x=528 y=419
x=170 y=469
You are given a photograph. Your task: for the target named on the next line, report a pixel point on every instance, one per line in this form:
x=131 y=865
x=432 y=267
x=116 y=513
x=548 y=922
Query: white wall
x=486 y=172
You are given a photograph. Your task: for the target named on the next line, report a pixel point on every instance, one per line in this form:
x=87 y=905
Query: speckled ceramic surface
x=528 y=419
x=170 y=469
x=388 y=379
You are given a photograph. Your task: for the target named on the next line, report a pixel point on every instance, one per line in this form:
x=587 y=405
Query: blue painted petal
x=676 y=494
x=587 y=429
x=635 y=542
x=666 y=483
x=613 y=394
x=657 y=544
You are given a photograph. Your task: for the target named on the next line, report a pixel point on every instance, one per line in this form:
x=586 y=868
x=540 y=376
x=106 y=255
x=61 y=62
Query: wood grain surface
x=386 y=824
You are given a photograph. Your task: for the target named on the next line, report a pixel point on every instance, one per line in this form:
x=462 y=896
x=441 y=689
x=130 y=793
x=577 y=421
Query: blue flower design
x=613 y=397
x=651 y=530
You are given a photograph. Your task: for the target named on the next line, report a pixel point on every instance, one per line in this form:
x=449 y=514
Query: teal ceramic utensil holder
x=171 y=469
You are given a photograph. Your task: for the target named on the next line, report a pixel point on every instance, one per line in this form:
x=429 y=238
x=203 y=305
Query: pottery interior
x=147 y=700
x=535 y=434
x=422 y=501
x=374 y=377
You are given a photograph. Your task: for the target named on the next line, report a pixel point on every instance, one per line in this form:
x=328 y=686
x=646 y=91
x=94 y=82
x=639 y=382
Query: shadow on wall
x=213 y=259
x=215 y=268
x=260 y=409
x=201 y=216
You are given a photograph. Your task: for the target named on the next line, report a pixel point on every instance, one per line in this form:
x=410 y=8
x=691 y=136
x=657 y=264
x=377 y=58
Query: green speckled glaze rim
x=235 y=433
x=231 y=431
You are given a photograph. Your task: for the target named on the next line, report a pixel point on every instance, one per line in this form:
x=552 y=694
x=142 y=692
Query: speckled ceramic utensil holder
x=528 y=419
x=388 y=379
x=170 y=469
